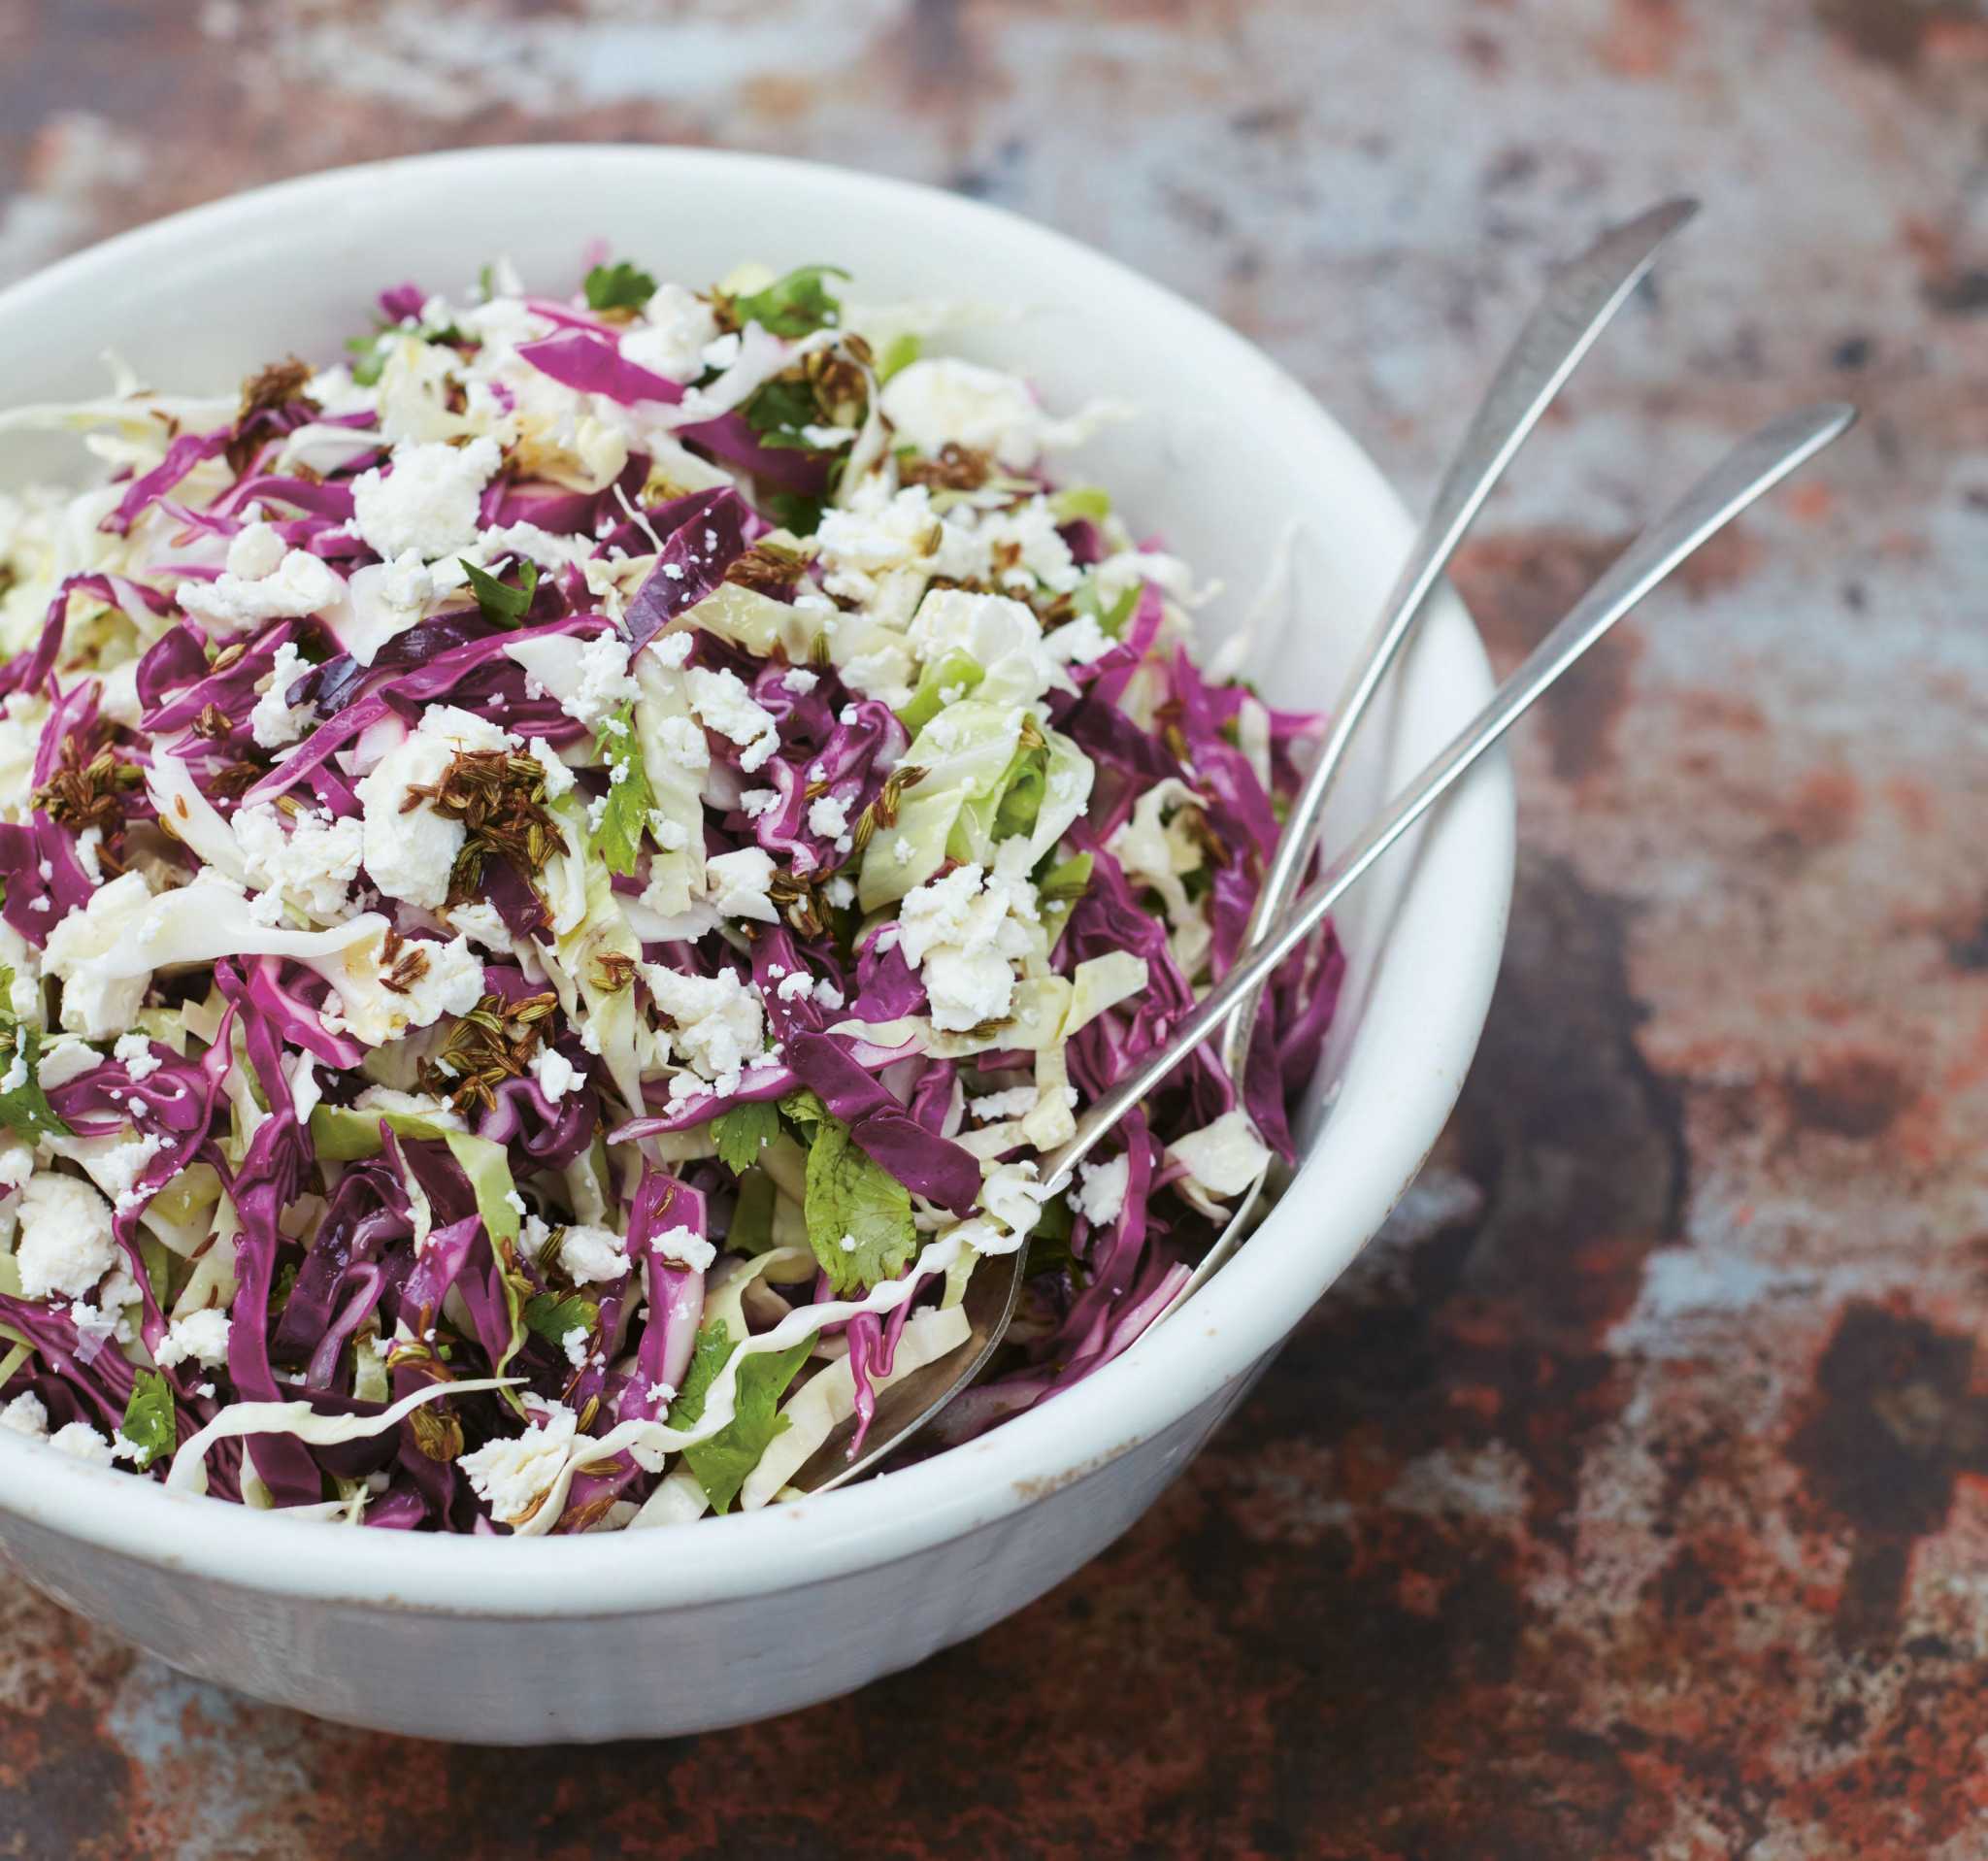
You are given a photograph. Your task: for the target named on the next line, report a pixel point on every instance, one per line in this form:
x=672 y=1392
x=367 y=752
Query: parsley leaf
x=793 y=304
x=779 y=411
x=619 y=287
x=618 y=833
x=858 y=1215
x=503 y=605
x=709 y=1352
x=552 y=1317
x=23 y=1106
x=743 y=1132
x=794 y=512
x=149 y=1423
x=722 y=1463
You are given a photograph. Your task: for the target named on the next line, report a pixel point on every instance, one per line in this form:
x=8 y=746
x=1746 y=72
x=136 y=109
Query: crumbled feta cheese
x=589 y=677
x=755 y=802
x=960 y=931
x=134 y=1050
x=275 y=720
x=575 y=1343
x=555 y=1073
x=683 y=744
x=81 y=1442
x=800 y=682
x=307 y=862
x=672 y=650
x=202 y=1336
x=738 y=884
x=255 y=551
x=828 y=817
x=429 y=503
x=303 y=583
x=94 y=1005
x=686 y=1248
x=677 y=327
x=116 y=1170
x=411 y=852
x=1101 y=1195
x=1010 y=1104
x=25 y=1415
x=482 y=924
x=66 y=1245
x=946 y=401
x=513 y=1474
x=797 y=988
x=589 y=1254
x=724 y=705
x=559 y=780
x=719 y=1024
x=841 y=892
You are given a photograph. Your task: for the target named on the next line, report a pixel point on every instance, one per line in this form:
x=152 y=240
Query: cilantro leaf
x=751 y=1229
x=502 y=604
x=743 y=1132
x=23 y=1106
x=149 y=1423
x=722 y=1462
x=618 y=833
x=793 y=304
x=858 y=1215
x=552 y=1317
x=619 y=287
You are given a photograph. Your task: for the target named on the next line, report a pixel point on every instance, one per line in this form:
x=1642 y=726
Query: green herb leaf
x=899 y=354
x=618 y=838
x=778 y=412
x=149 y=1423
x=793 y=304
x=554 y=1319
x=709 y=1352
x=858 y=1215
x=619 y=287
x=23 y=1106
x=751 y=1229
x=797 y=514
x=743 y=1132
x=502 y=604
x=722 y=1463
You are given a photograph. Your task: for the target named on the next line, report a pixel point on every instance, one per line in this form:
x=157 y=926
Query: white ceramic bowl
x=614 y=1636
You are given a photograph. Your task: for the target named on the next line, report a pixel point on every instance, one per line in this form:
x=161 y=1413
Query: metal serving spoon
x=1578 y=304
x=1753 y=468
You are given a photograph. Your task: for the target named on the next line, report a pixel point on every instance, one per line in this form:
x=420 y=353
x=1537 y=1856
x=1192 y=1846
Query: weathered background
x=1631 y=1497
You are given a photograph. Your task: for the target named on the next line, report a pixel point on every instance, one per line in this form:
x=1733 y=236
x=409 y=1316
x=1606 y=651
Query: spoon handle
x=1752 y=468
x=1578 y=303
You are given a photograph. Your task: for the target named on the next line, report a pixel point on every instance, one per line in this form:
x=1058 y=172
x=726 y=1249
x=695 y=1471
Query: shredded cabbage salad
x=558 y=873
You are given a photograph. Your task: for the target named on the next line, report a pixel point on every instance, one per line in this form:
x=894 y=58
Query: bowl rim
x=1238 y=1319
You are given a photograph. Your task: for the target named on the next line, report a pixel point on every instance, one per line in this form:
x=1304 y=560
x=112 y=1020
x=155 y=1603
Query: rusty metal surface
x=1629 y=1498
